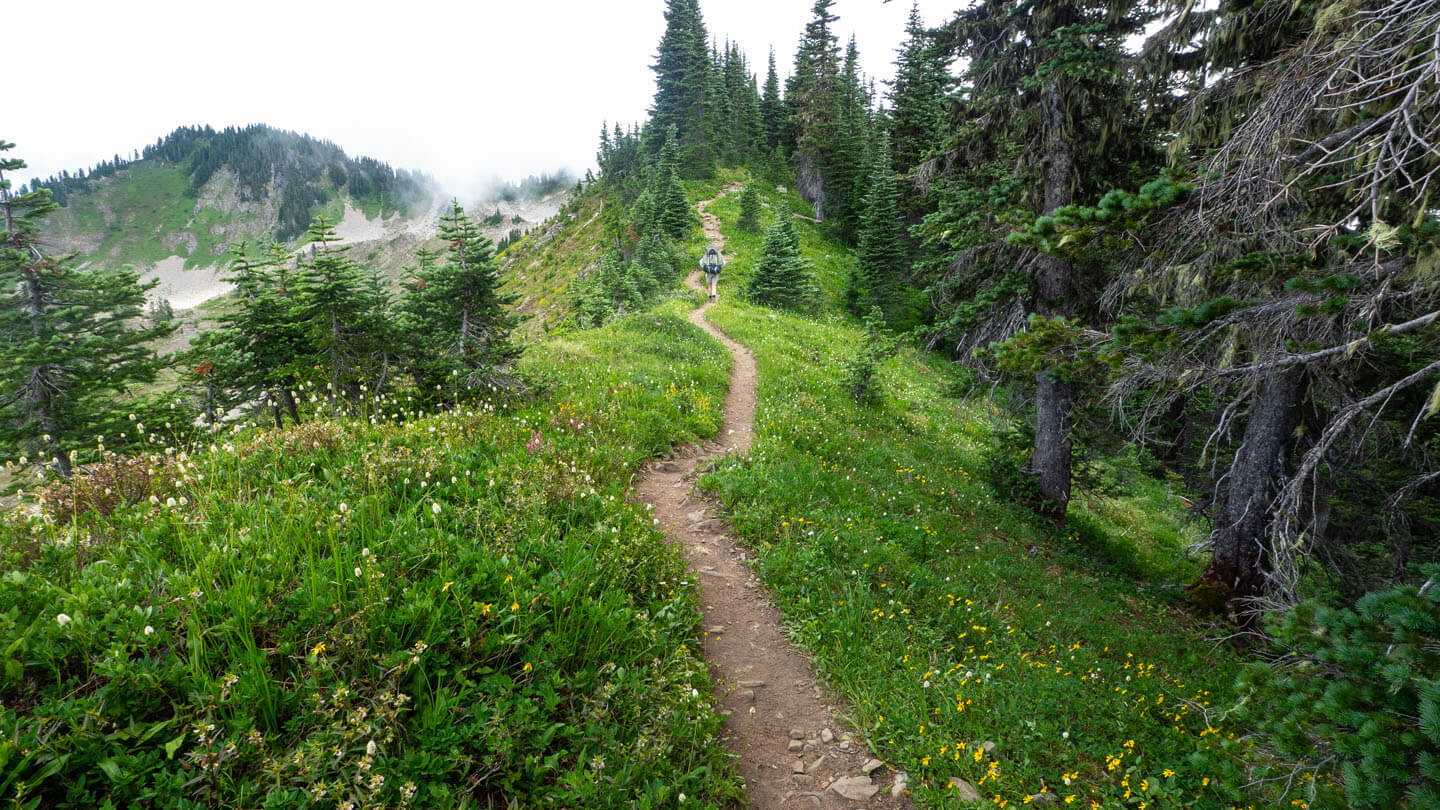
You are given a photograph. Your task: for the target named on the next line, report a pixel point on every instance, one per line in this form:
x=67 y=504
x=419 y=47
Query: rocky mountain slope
x=175 y=211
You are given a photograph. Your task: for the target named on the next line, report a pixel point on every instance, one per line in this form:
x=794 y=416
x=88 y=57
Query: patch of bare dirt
x=794 y=750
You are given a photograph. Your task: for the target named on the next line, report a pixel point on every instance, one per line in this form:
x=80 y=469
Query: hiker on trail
x=711 y=263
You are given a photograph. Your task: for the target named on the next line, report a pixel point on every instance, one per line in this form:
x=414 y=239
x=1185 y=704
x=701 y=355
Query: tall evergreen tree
x=70 y=349
x=846 y=166
x=257 y=348
x=881 y=258
x=917 y=97
x=458 y=320
x=335 y=305
x=682 y=78
x=1047 y=115
x=772 y=109
x=815 y=100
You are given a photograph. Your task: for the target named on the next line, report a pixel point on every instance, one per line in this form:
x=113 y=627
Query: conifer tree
x=816 y=102
x=881 y=259
x=257 y=349
x=846 y=165
x=1046 y=116
x=718 y=110
x=749 y=207
x=917 y=97
x=682 y=78
x=772 y=110
x=70 y=350
x=783 y=278
x=458 y=319
x=672 y=212
x=657 y=256
x=335 y=304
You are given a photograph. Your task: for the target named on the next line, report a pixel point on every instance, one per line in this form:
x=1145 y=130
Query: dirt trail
x=794 y=752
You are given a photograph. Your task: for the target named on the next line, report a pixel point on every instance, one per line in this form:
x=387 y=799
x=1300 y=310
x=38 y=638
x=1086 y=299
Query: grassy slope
x=251 y=642
x=142 y=215
x=945 y=616
x=541 y=267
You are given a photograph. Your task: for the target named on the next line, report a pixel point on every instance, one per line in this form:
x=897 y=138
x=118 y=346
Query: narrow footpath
x=793 y=750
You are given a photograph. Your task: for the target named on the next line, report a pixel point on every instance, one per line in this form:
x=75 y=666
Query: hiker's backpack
x=712 y=262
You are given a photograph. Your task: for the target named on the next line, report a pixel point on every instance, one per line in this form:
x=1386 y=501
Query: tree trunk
x=1240 y=558
x=40 y=397
x=1055 y=292
x=1050 y=462
x=288 y=398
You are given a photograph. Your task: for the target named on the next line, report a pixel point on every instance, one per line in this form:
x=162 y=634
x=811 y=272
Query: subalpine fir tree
x=917 y=97
x=749 y=207
x=772 y=110
x=881 y=260
x=255 y=351
x=1047 y=117
x=846 y=164
x=656 y=258
x=458 y=320
x=71 y=352
x=672 y=211
x=682 y=78
x=783 y=278
x=335 y=306
x=815 y=100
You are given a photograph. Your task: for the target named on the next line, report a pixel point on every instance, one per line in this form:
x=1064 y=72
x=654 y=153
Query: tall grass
x=460 y=609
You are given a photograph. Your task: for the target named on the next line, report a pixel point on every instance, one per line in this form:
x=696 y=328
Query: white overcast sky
x=460 y=90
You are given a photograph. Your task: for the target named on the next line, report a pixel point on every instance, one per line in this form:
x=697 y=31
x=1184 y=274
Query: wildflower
x=318 y=648
x=435 y=508
x=344 y=507
x=485 y=608
x=149 y=631
x=527 y=667
x=446 y=587
x=514 y=606
x=62 y=619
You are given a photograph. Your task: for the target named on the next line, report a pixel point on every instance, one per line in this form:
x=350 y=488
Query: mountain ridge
x=175 y=211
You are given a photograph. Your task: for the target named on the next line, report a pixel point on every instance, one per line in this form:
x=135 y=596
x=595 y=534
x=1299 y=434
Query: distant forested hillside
x=298 y=171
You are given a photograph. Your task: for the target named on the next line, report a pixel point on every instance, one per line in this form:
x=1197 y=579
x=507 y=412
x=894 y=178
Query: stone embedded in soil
x=827 y=736
x=796 y=745
x=719 y=628
x=855 y=788
x=902 y=783
x=814 y=766
x=798 y=766
x=870 y=766
x=967 y=791
x=1044 y=799
x=797 y=733
x=751 y=684
x=748 y=696
x=988 y=747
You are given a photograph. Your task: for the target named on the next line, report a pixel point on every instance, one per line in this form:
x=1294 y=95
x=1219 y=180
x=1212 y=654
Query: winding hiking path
x=794 y=752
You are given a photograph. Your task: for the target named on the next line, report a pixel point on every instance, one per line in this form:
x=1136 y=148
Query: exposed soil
x=793 y=749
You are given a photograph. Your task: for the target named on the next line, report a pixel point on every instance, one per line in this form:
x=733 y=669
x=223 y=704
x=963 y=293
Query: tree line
x=1207 y=236
x=303 y=172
